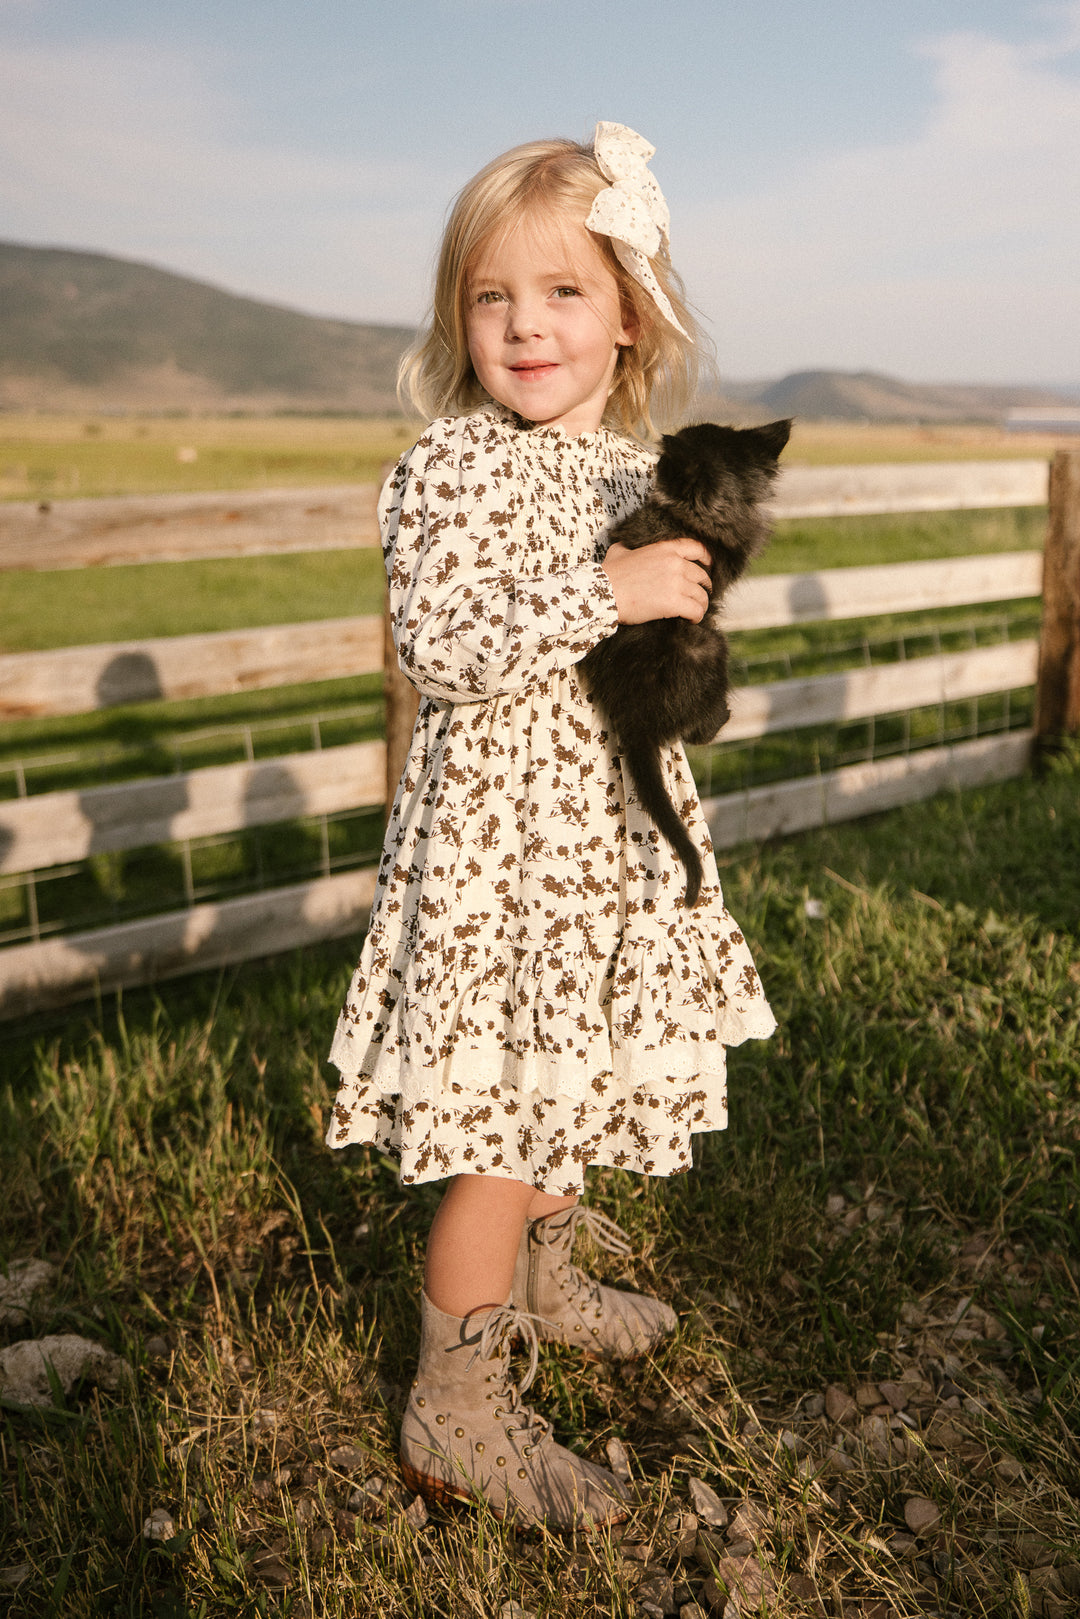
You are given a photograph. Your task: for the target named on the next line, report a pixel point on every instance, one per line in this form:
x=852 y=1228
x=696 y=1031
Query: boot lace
x=503 y=1325
x=604 y=1232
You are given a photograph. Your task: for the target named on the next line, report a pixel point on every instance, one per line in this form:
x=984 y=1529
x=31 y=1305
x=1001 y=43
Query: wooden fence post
x=400 y=696
x=1057 y=701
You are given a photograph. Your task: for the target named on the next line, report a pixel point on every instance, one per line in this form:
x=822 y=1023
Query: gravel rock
x=707 y=1504
x=739 y=1586
x=346 y=1459
x=709 y=1548
x=416 y=1514
x=618 y=1460
x=271 y=1570
x=24 y=1278
x=159 y=1525
x=24 y=1374
x=920 y=1514
x=657 y=1590
x=749 y=1521
x=839 y=1406
x=685 y=1526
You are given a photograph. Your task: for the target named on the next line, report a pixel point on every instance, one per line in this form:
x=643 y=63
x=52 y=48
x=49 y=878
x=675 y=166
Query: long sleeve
x=475 y=613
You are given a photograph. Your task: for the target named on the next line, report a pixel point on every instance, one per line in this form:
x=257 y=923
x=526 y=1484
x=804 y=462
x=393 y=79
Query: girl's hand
x=670 y=579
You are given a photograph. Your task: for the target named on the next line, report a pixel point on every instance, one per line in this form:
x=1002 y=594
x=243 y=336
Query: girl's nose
x=525 y=320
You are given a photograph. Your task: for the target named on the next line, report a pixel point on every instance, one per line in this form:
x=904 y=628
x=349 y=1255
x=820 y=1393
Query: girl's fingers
x=668 y=580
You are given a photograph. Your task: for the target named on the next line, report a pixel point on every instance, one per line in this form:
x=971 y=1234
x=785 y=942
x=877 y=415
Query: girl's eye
x=566 y=292
x=488 y=297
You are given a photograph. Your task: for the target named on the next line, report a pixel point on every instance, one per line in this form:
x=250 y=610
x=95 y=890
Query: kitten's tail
x=643 y=765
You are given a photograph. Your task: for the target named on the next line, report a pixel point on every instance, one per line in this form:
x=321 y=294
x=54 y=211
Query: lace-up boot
x=467 y=1433
x=575 y=1309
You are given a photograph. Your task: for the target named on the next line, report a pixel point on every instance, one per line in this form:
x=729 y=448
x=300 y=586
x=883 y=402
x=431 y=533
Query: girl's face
x=544 y=323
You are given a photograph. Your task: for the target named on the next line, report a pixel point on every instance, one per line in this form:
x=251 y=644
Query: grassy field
x=58 y=457
x=876 y=1270
x=78 y=606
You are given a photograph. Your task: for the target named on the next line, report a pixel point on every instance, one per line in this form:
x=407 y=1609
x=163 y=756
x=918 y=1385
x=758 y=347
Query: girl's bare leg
x=474 y=1240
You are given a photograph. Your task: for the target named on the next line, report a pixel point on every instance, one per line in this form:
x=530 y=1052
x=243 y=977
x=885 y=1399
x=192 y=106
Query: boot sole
x=437 y=1492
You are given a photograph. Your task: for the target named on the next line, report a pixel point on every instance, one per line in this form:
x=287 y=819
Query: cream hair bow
x=632 y=210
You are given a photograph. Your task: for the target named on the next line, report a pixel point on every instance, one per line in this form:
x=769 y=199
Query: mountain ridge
x=79 y=330
x=89 y=331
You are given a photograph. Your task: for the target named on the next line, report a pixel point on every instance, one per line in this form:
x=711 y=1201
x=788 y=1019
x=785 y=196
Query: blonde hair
x=657 y=374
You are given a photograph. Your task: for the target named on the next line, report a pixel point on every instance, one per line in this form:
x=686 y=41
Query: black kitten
x=668 y=679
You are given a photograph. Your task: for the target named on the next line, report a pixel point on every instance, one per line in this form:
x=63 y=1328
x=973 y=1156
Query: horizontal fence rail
x=52 y=535
x=908 y=486
x=180 y=528
x=53 y=972
x=50 y=830
x=81 y=679
x=857 y=790
x=785 y=705
x=776 y=600
x=78 y=680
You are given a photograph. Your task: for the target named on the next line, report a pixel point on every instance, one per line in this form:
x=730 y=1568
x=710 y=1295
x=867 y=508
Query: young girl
x=532 y=996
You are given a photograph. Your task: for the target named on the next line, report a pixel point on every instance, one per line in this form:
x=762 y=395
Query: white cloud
x=953 y=253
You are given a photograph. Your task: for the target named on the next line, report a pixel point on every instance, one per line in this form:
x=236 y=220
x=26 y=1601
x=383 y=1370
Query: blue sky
x=893 y=187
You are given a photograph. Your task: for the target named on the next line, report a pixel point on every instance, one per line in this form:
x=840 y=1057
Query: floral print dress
x=532 y=996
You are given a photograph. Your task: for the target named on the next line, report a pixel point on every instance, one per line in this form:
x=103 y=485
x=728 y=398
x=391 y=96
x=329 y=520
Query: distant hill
x=869 y=396
x=85 y=331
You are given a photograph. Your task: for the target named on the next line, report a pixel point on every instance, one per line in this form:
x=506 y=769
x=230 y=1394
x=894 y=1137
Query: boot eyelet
x=459 y=1433
x=596 y=1332
x=499 y=1413
x=420 y=1400
x=479 y=1447
x=440 y=1419
x=522 y=1473
x=500 y=1461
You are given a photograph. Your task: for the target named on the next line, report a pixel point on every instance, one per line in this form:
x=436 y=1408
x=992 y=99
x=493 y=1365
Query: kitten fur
x=667 y=680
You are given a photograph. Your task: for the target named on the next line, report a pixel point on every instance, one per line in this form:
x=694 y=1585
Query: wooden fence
x=49 y=829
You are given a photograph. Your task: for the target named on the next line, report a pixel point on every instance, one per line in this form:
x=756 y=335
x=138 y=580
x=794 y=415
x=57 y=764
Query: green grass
x=802 y=545
x=79 y=606
x=93 y=605
x=56 y=458
x=895 y=1199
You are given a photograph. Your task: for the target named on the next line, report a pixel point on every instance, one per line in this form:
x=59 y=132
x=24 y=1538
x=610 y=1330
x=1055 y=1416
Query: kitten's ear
x=774 y=435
